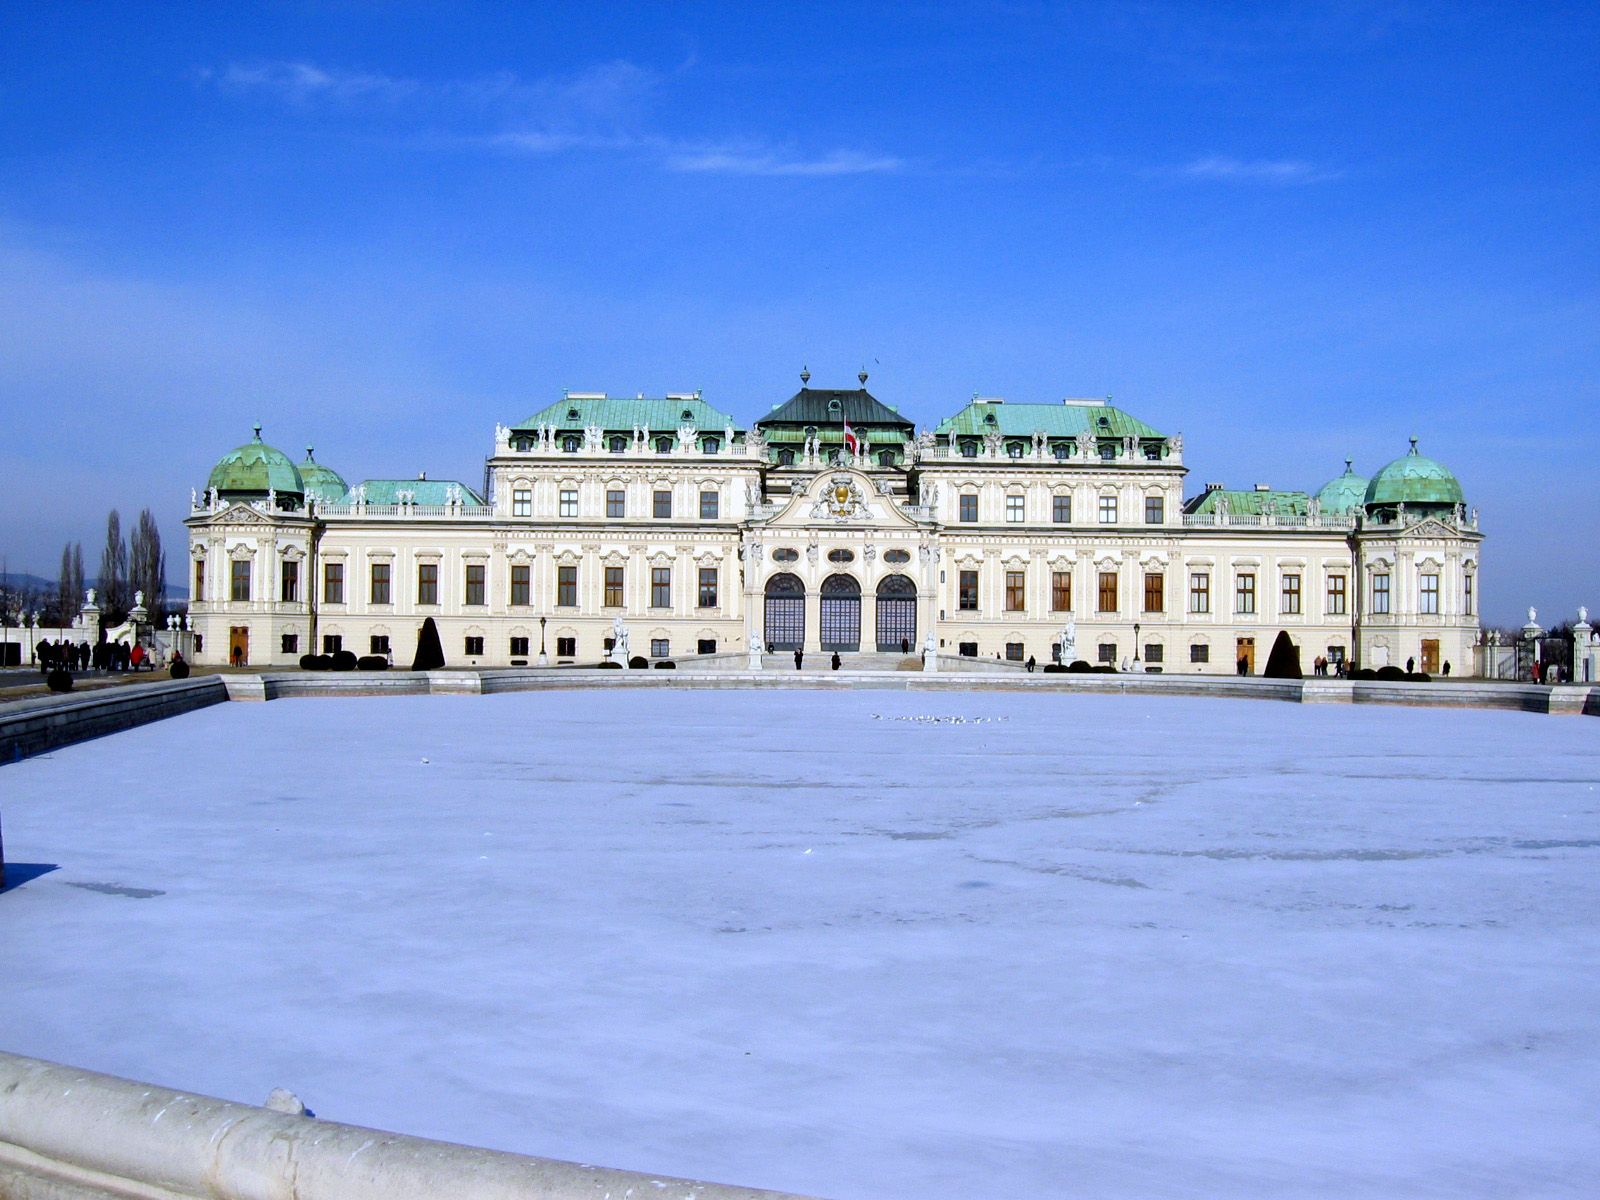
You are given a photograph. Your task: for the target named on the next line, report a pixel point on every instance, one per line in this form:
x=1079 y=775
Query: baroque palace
x=1008 y=531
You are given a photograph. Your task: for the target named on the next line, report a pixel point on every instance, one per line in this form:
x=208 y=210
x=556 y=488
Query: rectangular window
x=289 y=582
x=1016 y=507
x=566 y=647
x=1430 y=595
x=660 y=648
x=473 y=647
x=200 y=581
x=522 y=502
x=1470 y=577
x=969 y=506
x=1380 y=593
x=1291 y=594
x=566 y=587
x=1061 y=509
x=240 y=589
x=291 y=643
x=1061 y=591
x=569 y=502
x=660 y=587
x=519 y=647
x=1155 y=510
x=332 y=643
x=706 y=646
x=663 y=505
x=1108 y=592
x=475 y=588
x=521 y=585
x=1108 y=510
x=380 y=583
x=967 y=598
x=1013 y=651
x=1155 y=652
x=613 y=595
x=1016 y=591
x=427 y=583
x=1336 y=595
x=710 y=502
x=1155 y=592
x=379 y=643
x=1199 y=654
x=1244 y=592
x=1200 y=592
x=967 y=649
x=1106 y=652
x=616 y=502
x=708 y=587
x=333 y=583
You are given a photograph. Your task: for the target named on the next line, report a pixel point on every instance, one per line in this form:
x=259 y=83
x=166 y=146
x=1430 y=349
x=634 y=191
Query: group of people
x=107 y=656
x=1321 y=664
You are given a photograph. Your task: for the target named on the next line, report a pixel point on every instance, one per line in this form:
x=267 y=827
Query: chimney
x=1263 y=487
x=1215 y=487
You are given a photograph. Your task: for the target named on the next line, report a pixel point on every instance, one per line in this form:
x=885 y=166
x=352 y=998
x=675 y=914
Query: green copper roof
x=323 y=483
x=1252 y=503
x=623 y=413
x=255 y=468
x=824 y=407
x=1347 y=492
x=421 y=491
x=1414 y=478
x=1053 y=420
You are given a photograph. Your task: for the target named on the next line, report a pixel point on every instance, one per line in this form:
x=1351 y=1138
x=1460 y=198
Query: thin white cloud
x=1284 y=171
x=746 y=162
x=302 y=82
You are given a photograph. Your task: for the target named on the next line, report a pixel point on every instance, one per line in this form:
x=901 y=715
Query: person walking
x=835 y=660
x=136 y=657
x=1411 y=666
x=1030 y=664
x=798 y=658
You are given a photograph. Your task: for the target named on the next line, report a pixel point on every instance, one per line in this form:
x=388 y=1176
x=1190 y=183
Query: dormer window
x=570 y=443
x=1061 y=450
x=1015 y=449
x=523 y=444
x=1107 y=452
x=886 y=458
x=663 y=445
x=619 y=445
x=969 y=449
x=711 y=445
x=1152 y=451
x=786 y=458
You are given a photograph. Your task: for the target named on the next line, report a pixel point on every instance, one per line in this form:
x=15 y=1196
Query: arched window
x=570 y=443
x=786 y=458
x=619 y=444
x=784 y=623
x=710 y=445
x=897 y=612
x=969 y=448
x=886 y=458
x=841 y=613
x=1016 y=449
x=1061 y=450
x=663 y=445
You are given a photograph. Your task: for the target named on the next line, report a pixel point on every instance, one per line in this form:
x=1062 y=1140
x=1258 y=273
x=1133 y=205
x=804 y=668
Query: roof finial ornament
x=258 y=430
x=311 y=453
x=805 y=376
x=1349 y=465
x=1413 y=443
x=863 y=375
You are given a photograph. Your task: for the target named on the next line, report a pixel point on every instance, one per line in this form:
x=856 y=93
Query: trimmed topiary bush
x=59 y=680
x=1390 y=674
x=1284 y=661
x=1080 y=667
x=1364 y=674
x=1419 y=677
x=344 y=660
x=430 y=652
x=1103 y=669
x=638 y=662
x=372 y=662
x=666 y=665
x=1054 y=668
x=610 y=665
x=179 y=670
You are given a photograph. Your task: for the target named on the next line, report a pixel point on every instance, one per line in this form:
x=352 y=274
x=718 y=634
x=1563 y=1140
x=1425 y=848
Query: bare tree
x=147 y=566
x=67 y=598
x=114 y=573
x=77 y=583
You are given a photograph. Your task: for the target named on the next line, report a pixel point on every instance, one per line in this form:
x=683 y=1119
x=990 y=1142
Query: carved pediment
x=1429 y=529
x=841 y=497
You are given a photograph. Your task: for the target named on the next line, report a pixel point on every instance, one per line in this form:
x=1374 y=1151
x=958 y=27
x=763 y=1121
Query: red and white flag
x=851 y=443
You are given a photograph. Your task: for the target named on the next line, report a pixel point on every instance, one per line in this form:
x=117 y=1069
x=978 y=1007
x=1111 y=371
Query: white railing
x=67 y=1134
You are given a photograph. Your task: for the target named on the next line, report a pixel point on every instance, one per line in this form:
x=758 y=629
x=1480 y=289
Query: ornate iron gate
x=841 y=613
x=897 y=613
x=785 y=620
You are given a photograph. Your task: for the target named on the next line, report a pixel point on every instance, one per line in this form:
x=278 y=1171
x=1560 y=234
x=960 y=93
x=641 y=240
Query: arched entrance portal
x=785 y=625
x=897 y=613
x=841 y=613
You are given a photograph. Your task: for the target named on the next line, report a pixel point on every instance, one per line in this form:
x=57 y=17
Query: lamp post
x=544 y=659
x=1136 y=647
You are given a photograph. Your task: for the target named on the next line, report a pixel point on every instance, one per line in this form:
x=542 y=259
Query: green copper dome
x=1413 y=479
x=1341 y=495
x=253 y=469
x=321 y=483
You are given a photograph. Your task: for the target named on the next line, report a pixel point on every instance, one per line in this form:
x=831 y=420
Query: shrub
x=1364 y=674
x=179 y=670
x=344 y=660
x=59 y=680
x=430 y=652
x=638 y=662
x=610 y=665
x=666 y=665
x=1390 y=674
x=315 y=662
x=372 y=662
x=1419 y=677
x=1103 y=669
x=1284 y=661
x=1080 y=667
x=1053 y=668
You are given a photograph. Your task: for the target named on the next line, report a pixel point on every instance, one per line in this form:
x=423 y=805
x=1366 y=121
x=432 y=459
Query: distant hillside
x=22 y=580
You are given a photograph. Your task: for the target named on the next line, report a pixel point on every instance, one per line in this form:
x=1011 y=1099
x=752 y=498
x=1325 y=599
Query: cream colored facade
x=700 y=540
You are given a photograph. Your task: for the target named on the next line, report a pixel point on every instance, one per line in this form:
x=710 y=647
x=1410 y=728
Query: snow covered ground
x=1063 y=946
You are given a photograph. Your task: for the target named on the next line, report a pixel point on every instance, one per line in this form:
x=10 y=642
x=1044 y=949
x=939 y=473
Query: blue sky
x=1290 y=232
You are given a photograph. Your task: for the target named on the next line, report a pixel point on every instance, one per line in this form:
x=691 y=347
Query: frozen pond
x=1060 y=947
